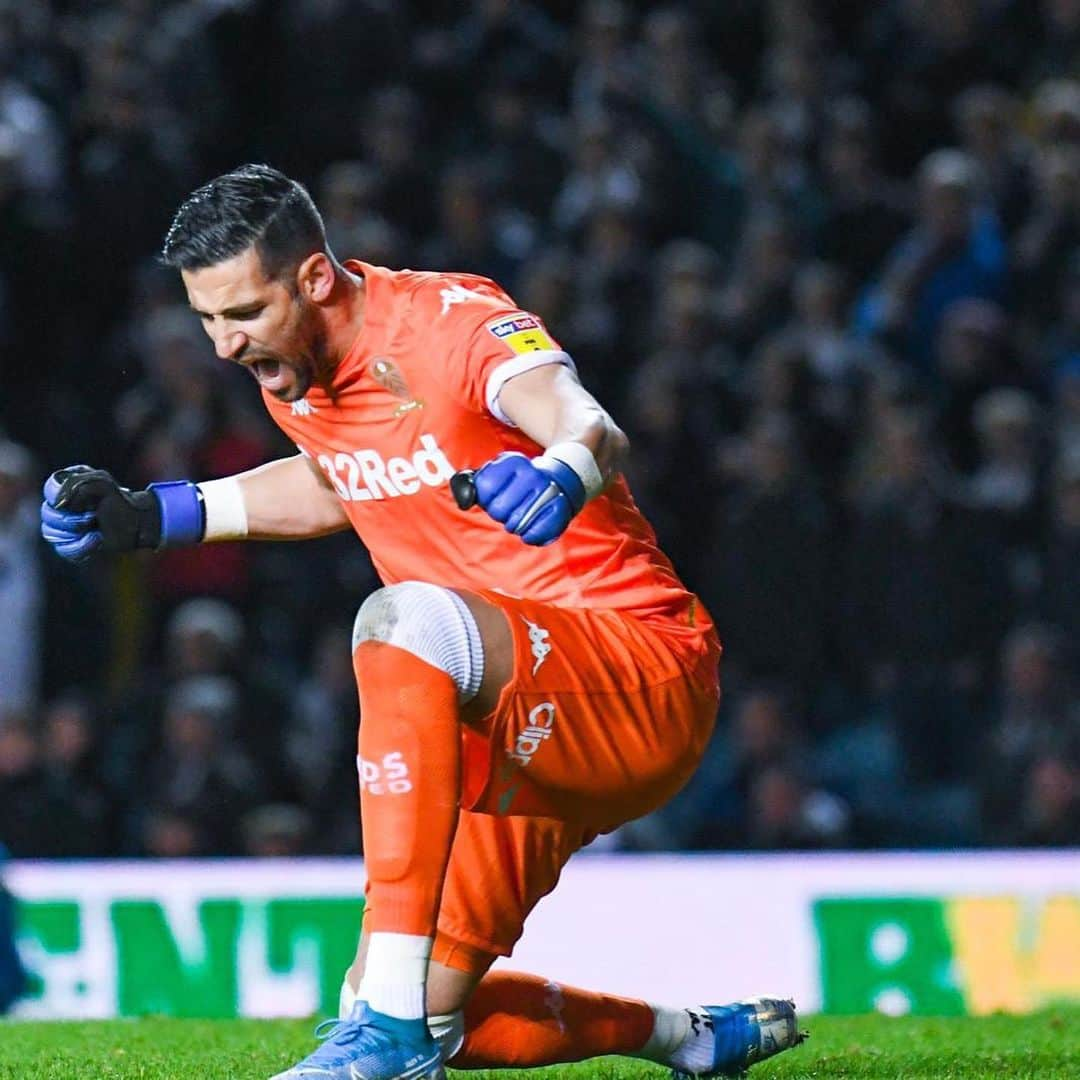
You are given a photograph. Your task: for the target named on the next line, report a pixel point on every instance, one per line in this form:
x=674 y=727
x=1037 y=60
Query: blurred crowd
x=820 y=258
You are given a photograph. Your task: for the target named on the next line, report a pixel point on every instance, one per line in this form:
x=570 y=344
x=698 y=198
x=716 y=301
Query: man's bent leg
x=521 y=1021
x=418 y=654
x=525 y=1021
x=499 y=1019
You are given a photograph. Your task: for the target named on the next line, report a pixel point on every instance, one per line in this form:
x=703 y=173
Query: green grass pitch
x=1043 y=1047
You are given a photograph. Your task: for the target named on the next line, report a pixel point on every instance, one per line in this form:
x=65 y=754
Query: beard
x=289 y=378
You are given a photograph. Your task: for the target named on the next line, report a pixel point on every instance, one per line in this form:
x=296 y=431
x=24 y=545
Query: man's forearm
x=281 y=500
x=551 y=406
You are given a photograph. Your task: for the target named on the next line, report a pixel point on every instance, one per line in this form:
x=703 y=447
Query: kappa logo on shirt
x=364 y=475
x=457 y=294
x=303 y=407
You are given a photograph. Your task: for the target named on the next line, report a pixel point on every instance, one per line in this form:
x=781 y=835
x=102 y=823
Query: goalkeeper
x=533 y=673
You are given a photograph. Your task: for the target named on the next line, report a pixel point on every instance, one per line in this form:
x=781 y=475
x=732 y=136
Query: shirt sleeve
x=494 y=342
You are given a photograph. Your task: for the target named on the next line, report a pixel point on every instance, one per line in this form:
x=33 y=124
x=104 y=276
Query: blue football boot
x=368 y=1045
x=745 y=1033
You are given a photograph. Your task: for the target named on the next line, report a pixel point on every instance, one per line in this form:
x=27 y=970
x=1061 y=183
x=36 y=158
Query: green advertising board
x=931 y=935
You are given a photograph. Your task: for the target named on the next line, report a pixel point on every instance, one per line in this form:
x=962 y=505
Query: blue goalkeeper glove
x=535 y=498
x=86 y=510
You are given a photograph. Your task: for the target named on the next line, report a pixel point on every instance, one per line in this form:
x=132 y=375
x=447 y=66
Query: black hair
x=252 y=205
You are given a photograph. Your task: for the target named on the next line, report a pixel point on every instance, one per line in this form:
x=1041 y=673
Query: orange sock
x=521 y=1021
x=409 y=761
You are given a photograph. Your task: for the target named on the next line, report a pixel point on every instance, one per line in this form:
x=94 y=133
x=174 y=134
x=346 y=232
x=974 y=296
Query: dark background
x=822 y=262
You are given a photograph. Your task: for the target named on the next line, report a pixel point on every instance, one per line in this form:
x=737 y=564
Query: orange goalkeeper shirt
x=417 y=398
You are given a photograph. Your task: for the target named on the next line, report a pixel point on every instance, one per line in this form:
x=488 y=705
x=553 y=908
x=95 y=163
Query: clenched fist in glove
x=536 y=497
x=86 y=510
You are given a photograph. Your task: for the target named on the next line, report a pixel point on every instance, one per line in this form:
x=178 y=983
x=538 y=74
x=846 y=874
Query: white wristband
x=579 y=457
x=224 y=509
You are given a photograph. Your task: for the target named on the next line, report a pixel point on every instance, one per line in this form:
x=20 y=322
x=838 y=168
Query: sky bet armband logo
x=364 y=475
x=522 y=333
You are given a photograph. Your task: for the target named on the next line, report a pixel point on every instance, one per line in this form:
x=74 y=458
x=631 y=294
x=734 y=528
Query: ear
x=315 y=277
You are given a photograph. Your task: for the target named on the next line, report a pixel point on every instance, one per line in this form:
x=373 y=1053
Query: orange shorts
x=605 y=719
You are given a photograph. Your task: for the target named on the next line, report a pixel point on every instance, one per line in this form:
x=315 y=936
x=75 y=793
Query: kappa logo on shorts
x=538 y=643
x=556 y=1003
x=532 y=737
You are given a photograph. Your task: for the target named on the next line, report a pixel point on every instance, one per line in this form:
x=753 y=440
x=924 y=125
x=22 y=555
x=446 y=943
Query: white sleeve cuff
x=518 y=366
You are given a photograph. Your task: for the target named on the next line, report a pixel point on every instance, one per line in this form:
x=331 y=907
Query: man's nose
x=229 y=344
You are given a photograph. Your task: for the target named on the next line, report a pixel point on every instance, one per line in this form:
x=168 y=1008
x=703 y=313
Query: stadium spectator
x=276 y=829
x=1050 y=806
x=21 y=583
x=985 y=118
x=1050 y=233
x=517 y=143
x=753 y=771
x=786 y=814
x=204 y=639
x=1032 y=720
x=600 y=176
x=865 y=210
x=1058 y=350
x=925 y=602
x=1006 y=484
x=36 y=819
x=973 y=358
x=320 y=742
x=1060 y=600
x=474 y=231
x=321 y=47
x=392 y=140
x=29 y=128
x=200 y=783
x=768 y=566
x=605 y=62
x=71 y=757
x=1059 y=39
x=956 y=250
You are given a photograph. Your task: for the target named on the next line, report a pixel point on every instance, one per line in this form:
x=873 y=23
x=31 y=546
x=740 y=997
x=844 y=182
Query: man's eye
x=242 y=316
